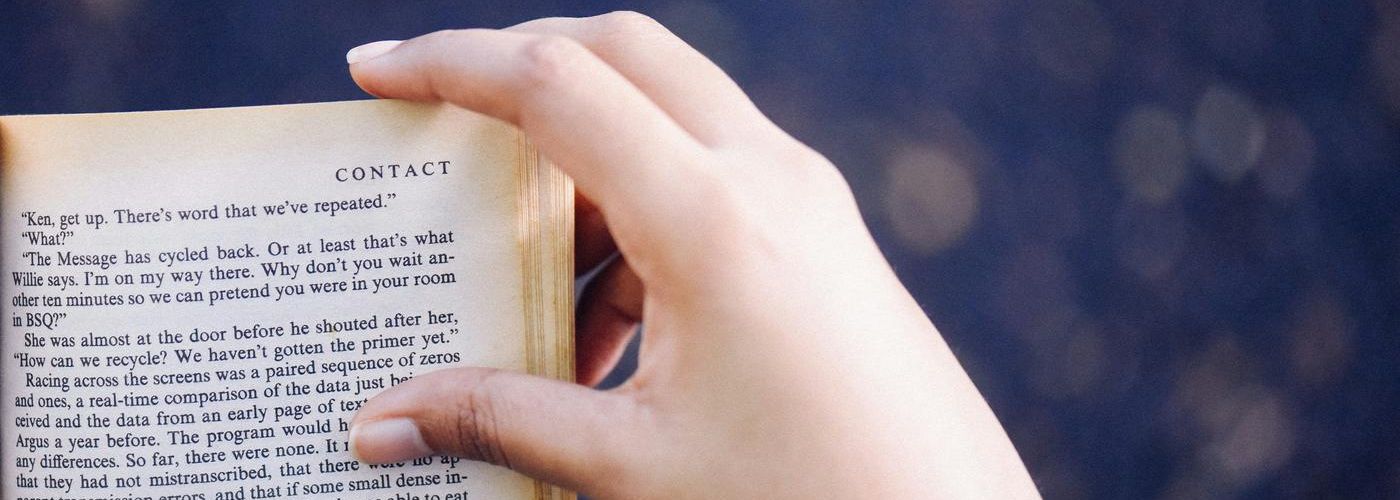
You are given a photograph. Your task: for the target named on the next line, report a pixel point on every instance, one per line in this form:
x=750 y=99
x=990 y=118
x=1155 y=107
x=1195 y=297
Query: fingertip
x=387 y=441
x=370 y=50
x=383 y=432
x=361 y=61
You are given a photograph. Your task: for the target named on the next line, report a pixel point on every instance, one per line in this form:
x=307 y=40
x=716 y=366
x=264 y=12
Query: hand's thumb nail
x=370 y=51
x=387 y=441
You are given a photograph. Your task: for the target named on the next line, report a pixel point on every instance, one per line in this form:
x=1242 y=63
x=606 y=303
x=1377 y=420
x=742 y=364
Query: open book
x=196 y=302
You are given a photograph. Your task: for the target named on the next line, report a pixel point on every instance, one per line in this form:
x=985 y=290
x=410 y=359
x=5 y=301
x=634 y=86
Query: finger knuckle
x=440 y=39
x=549 y=24
x=625 y=32
x=805 y=168
x=553 y=60
x=729 y=206
x=629 y=22
x=478 y=418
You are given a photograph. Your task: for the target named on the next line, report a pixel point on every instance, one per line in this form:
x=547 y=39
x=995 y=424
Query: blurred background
x=1162 y=236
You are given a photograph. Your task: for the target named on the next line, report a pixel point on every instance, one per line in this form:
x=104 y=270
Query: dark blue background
x=1162 y=236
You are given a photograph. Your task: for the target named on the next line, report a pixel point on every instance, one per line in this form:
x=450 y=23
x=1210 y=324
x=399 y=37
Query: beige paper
x=219 y=260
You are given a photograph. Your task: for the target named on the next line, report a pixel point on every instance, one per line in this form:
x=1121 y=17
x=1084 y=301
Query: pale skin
x=782 y=356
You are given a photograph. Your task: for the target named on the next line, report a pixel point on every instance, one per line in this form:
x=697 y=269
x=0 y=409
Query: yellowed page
x=206 y=296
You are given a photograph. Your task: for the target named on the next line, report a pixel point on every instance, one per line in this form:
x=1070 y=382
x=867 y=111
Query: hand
x=782 y=356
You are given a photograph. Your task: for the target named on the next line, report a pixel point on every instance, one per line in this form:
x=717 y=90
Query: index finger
x=683 y=82
x=624 y=152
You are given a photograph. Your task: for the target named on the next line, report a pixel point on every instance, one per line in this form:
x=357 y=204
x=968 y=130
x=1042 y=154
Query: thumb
x=562 y=433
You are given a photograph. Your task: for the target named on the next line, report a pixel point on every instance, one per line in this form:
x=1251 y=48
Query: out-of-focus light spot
x=1227 y=132
x=1320 y=339
x=1256 y=440
x=1149 y=153
x=1151 y=239
x=1070 y=39
x=1385 y=62
x=931 y=198
x=1389 y=12
x=1287 y=160
x=1243 y=429
x=1207 y=381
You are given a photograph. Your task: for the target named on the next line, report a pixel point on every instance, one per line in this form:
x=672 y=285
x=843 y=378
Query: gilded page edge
x=546 y=200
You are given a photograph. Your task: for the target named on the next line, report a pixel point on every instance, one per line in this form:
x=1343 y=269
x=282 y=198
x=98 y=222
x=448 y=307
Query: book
x=196 y=302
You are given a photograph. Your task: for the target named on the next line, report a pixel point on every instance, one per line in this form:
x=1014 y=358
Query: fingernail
x=370 y=51
x=387 y=441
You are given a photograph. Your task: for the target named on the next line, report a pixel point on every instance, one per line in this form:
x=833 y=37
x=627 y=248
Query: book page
x=196 y=302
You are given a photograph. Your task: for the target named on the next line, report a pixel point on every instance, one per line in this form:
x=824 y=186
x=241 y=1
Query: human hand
x=782 y=357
